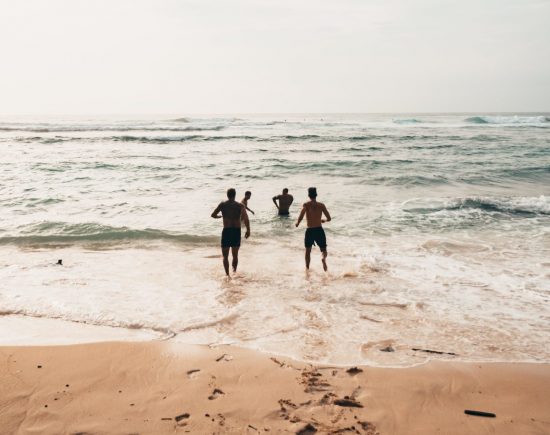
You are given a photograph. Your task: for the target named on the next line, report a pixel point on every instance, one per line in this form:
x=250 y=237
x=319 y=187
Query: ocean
x=440 y=238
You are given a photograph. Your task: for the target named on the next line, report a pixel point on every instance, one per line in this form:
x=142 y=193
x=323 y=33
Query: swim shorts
x=316 y=236
x=231 y=237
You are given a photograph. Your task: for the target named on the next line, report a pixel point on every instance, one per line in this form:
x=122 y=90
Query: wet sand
x=163 y=387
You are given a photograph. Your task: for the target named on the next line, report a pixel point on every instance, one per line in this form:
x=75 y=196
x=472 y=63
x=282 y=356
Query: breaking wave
x=503 y=120
x=75 y=129
x=60 y=233
x=523 y=206
x=407 y=121
x=179 y=120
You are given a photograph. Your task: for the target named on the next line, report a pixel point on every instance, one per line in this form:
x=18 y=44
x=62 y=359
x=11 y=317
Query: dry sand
x=161 y=387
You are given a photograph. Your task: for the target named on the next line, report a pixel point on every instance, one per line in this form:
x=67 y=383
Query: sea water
x=440 y=238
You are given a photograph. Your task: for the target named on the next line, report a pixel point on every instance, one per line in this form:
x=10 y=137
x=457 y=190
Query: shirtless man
x=244 y=202
x=285 y=201
x=232 y=213
x=315 y=234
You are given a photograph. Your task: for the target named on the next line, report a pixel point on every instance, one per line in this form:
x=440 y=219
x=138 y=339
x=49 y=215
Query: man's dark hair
x=248 y=192
x=285 y=190
x=312 y=192
x=231 y=193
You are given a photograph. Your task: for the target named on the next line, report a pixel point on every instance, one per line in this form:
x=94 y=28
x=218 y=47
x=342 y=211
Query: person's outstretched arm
x=326 y=213
x=245 y=203
x=244 y=218
x=275 y=198
x=302 y=214
x=215 y=213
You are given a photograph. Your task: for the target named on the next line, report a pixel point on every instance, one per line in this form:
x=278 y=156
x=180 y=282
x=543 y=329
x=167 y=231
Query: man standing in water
x=285 y=201
x=232 y=213
x=245 y=200
x=315 y=234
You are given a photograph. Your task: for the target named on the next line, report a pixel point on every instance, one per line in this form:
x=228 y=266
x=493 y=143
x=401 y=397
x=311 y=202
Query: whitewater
x=440 y=238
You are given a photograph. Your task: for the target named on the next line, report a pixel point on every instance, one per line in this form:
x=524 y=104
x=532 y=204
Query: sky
x=273 y=56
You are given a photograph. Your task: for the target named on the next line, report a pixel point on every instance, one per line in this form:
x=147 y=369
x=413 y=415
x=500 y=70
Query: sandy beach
x=161 y=387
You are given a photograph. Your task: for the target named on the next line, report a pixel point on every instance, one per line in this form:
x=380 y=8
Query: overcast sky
x=246 y=56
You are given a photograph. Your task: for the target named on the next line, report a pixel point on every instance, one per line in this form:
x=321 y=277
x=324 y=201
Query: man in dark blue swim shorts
x=232 y=212
x=315 y=234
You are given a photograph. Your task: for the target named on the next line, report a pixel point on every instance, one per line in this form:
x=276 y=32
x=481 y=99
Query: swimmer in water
x=244 y=202
x=285 y=201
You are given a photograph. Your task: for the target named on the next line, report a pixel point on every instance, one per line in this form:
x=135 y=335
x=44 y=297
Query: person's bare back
x=314 y=213
x=285 y=201
x=232 y=211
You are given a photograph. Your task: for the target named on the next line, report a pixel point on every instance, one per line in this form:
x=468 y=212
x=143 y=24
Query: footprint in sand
x=215 y=394
x=224 y=357
x=192 y=373
x=313 y=381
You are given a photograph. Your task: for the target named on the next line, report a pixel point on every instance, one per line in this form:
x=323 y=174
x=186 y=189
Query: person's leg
x=235 y=252
x=308 y=243
x=225 y=253
x=324 y=259
x=321 y=240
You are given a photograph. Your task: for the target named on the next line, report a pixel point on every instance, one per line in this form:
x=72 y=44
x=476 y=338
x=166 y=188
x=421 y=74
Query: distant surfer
x=315 y=234
x=285 y=201
x=245 y=200
x=232 y=213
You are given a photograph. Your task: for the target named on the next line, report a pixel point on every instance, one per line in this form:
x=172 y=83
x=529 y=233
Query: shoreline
x=284 y=310
x=21 y=330
x=168 y=387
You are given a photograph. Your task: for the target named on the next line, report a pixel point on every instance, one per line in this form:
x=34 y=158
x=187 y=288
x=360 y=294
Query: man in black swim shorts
x=315 y=234
x=232 y=213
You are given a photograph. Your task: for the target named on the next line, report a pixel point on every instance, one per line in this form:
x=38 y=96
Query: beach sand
x=162 y=387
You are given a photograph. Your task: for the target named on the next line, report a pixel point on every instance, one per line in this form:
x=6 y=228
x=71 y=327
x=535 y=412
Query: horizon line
x=487 y=112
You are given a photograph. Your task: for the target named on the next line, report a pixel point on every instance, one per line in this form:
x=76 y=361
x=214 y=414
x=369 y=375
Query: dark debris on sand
x=437 y=352
x=347 y=402
x=354 y=370
x=183 y=416
x=308 y=429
